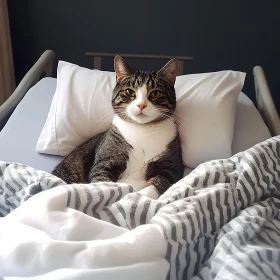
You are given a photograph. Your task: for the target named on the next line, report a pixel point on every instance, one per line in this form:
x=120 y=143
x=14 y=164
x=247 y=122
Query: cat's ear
x=169 y=71
x=122 y=69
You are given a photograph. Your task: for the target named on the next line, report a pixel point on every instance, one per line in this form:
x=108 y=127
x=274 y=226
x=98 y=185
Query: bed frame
x=265 y=103
x=44 y=68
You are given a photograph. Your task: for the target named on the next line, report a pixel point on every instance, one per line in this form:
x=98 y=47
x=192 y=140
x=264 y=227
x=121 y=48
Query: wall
x=218 y=34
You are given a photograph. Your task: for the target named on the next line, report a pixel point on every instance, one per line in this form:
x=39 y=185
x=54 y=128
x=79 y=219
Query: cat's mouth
x=142 y=117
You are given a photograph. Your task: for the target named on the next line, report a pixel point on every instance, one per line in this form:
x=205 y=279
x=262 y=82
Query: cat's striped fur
x=142 y=101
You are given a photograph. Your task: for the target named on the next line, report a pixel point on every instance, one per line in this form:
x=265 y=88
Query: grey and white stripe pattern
x=19 y=182
x=220 y=222
x=248 y=246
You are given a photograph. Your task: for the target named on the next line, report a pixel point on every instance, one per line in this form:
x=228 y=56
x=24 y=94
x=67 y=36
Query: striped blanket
x=222 y=221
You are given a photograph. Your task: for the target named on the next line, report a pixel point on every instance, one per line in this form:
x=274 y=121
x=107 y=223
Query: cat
x=142 y=145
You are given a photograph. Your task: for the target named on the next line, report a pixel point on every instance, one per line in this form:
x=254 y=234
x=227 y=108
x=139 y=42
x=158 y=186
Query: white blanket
x=43 y=235
x=225 y=212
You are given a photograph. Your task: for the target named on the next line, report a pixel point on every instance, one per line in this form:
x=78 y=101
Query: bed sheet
x=19 y=137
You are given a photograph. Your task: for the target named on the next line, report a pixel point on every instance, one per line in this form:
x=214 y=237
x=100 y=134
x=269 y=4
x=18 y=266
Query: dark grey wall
x=219 y=34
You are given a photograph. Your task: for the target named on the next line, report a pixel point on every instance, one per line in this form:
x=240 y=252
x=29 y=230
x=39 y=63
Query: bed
x=27 y=120
x=234 y=201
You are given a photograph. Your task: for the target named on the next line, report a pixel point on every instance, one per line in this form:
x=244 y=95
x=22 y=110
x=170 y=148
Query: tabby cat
x=142 y=146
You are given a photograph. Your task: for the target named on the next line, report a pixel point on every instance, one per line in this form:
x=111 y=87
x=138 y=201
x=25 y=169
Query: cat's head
x=144 y=97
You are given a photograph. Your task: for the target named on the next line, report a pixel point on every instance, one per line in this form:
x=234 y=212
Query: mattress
x=19 y=137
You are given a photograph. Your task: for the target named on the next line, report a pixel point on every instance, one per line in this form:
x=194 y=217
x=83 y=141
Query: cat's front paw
x=150 y=192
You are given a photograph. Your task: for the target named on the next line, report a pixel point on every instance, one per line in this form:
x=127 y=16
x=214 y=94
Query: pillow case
x=205 y=113
x=80 y=109
x=206 y=105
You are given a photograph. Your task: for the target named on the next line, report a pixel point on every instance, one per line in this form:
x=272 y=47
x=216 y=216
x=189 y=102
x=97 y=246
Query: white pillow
x=81 y=108
x=206 y=106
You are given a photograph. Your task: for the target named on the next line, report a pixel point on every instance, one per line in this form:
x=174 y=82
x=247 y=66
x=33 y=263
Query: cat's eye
x=129 y=92
x=155 y=94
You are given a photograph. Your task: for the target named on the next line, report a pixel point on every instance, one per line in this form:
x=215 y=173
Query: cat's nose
x=141 y=106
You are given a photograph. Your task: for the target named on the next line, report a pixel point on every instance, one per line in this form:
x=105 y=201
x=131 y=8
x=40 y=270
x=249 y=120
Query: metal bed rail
x=265 y=102
x=43 y=66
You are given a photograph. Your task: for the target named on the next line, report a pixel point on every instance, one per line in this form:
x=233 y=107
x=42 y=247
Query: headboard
x=97 y=57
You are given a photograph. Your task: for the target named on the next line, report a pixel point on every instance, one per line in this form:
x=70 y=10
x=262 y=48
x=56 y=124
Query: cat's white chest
x=148 y=142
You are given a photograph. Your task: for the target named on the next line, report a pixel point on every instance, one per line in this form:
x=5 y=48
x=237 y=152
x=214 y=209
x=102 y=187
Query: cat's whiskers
x=178 y=123
x=171 y=121
x=169 y=111
x=123 y=115
x=174 y=121
x=175 y=116
x=164 y=116
x=159 y=111
x=178 y=116
x=105 y=120
x=108 y=118
x=105 y=116
x=103 y=125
